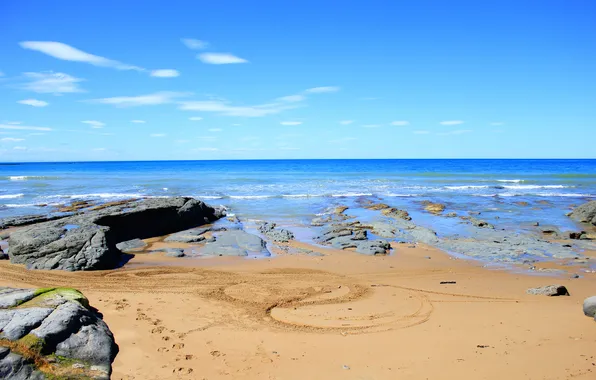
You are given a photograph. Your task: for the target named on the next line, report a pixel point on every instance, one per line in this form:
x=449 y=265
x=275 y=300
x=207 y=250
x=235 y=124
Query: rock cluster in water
x=88 y=240
x=52 y=334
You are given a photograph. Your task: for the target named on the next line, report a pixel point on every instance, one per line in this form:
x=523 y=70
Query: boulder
x=396 y=213
x=52 y=333
x=87 y=241
x=481 y=223
x=275 y=234
x=174 y=252
x=434 y=208
x=590 y=306
x=130 y=245
x=585 y=213
x=550 y=290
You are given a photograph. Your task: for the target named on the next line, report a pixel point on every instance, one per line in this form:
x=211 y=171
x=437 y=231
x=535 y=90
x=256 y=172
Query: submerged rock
x=550 y=290
x=585 y=213
x=393 y=212
x=235 y=243
x=434 y=208
x=92 y=243
x=590 y=306
x=481 y=223
x=275 y=234
x=52 y=333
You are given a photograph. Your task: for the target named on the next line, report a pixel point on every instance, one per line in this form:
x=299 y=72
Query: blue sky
x=141 y=80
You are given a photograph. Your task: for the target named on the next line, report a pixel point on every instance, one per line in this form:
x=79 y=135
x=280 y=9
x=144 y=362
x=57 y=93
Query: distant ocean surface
x=295 y=190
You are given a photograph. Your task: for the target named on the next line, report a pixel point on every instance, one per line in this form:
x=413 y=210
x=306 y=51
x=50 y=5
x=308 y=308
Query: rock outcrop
x=276 y=234
x=585 y=213
x=235 y=243
x=52 y=334
x=550 y=290
x=87 y=241
x=353 y=235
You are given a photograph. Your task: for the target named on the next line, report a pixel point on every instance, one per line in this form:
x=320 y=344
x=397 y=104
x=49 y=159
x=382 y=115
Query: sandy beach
x=342 y=315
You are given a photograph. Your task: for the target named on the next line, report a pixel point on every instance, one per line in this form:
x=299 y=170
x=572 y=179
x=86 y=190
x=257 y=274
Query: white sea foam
x=534 y=187
x=511 y=180
x=208 y=196
x=105 y=195
x=466 y=187
x=401 y=195
x=11 y=205
x=11 y=196
x=250 y=196
x=352 y=195
x=18 y=178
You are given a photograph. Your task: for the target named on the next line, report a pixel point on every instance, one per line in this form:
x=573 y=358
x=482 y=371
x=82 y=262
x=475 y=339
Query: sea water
x=507 y=193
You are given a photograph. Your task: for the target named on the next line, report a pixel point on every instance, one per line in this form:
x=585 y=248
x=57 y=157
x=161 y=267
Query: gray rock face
x=235 y=243
x=189 y=236
x=88 y=241
x=353 y=235
x=585 y=213
x=275 y=234
x=55 y=322
x=590 y=306
x=550 y=290
x=129 y=245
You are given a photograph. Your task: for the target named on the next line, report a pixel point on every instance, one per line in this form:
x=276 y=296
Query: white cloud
x=215 y=130
x=290 y=123
x=33 y=102
x=457 y=132
x=138 y=121
x=165 y=73
x=371 y=126
x=68 y=53
x=195 y=118
x=451 y=122
x=400 y=123
x=24 y=128
x=220 y=58
x=182 y=141
x=141 y=100
x=157 y=135
x=94 y=123
x=291 y=98
x=11 y=139
x=206 y=138
x=224 y=108
x=320 y=90
x=342 y=140
x=236 y=125
x=206 y=149
x=421 y=132
x=13 y=122
x=20 y=148
x=496 y=124
x=346 y=122
x=194 y=44
x=52 y=83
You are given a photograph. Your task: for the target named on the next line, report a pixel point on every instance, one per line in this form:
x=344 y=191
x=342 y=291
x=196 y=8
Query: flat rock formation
x=585 y=213
x=87 y=241
x=52 y=333
x=235 y=243
x=276 y=234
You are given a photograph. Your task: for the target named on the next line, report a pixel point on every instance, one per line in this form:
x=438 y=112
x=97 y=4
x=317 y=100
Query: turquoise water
x=292 y=191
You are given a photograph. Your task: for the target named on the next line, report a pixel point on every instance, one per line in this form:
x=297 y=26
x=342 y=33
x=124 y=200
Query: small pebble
x=345 y=367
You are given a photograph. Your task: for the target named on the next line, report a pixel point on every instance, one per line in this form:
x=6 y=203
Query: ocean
x=509 y=193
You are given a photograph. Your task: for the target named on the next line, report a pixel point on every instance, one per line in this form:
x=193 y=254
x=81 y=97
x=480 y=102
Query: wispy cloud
x=207 y=138
x=156 y=98
x=23 y=128
x=99 y=149
x=157 y=135
x=451 y=122
x=496 y=124
x=400 y=123
x=224 y=108
x=290 y=123
x=20 y=148
x=320 y=90
x=194 y=44
x=195 y=118
x=66 y=52
x=33 y=102
x=371 y=126
x=346 y=122
x=138 y=121
x=342 y=140
x=421 y=132
x=215 y=130
x=292 y=98
x=182 y=141
x=11 y=139
x=94 y=123
x=51 y=83
x=220 y=58
x=13 y=122
x=457 y=132
x=165 y=73
x=205 y=149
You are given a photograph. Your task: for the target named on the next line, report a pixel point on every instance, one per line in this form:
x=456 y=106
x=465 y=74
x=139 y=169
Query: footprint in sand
x=178 y=346
x=183 y=371
x=162 y=349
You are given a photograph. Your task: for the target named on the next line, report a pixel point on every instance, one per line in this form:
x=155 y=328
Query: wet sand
x=339 y=316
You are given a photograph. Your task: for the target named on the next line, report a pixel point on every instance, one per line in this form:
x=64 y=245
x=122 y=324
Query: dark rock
x=373 y=247
x=235 y=243
x=26 y=220
x=193 y=235
x=92 y=244
x=550 y=290
x=275 y=234
x=451 y=215
x=481 y=223
x=57 y=328
x=396 y=213
x=590 y=306
x=130 y=245
x=3 y=255
x=585 y=213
